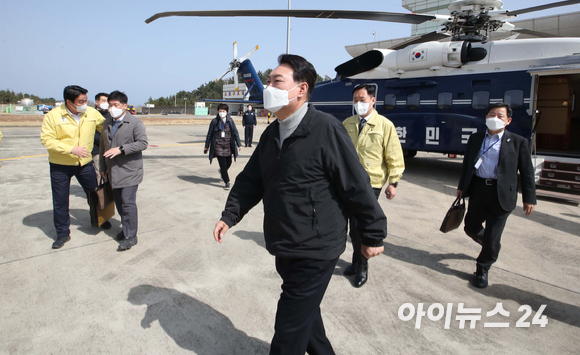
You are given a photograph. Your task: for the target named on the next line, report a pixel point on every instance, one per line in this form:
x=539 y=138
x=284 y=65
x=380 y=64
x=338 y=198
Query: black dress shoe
x=350 y=270
x=120 y=236
x=479 y=279
x=107 y=225
x=361 y=276
x=126 y=244
x=59 y=242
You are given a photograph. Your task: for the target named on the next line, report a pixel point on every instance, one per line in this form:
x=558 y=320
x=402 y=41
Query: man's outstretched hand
x=220 y=230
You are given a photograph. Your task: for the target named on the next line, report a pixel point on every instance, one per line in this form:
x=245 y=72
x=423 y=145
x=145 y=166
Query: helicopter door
x=555 y=101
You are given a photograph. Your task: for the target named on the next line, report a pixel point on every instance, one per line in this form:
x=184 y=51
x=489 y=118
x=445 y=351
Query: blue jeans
x=60 y=176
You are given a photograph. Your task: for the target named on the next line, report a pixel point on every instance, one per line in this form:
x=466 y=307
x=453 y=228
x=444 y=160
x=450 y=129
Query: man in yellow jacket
x=68 y=133
x=379 y=150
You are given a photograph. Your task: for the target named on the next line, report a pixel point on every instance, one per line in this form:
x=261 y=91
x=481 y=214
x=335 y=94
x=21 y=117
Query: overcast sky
x=106 y=45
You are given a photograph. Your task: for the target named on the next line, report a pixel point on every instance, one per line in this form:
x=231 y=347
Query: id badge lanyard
x=223 y=129
x=480 y=160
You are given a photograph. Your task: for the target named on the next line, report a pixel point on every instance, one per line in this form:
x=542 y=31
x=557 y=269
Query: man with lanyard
x=379 y=151
x=489 y=178
x=68 y=134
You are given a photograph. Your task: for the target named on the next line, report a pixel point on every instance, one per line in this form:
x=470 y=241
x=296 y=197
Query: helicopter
x=436 y=93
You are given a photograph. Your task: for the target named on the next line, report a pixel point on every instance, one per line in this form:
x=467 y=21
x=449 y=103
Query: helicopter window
x=390 y=101
x=480 y=100
x=514 y=97
x=444 y=100
x=413 y=101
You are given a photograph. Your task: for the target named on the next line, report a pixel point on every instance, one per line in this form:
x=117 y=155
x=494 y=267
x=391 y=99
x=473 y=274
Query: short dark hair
x=71 y=92
x=303 y=70
x=224 y=107
x=119 y=96
x=98 y=96
x=371 y=90
x=508 y=108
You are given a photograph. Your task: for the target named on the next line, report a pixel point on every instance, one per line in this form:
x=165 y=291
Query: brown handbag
x=102 y=203
x=454 y=216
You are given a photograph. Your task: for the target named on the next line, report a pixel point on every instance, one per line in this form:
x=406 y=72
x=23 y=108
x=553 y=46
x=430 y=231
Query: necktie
x=361 y=124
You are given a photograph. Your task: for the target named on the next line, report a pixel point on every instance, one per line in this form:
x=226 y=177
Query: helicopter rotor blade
x=327 y=14
x=235 y=49
x=542 y=7
x=247 y=55
x=534 y=33
x=236 y=79
x=224 y=74
x=427 y=37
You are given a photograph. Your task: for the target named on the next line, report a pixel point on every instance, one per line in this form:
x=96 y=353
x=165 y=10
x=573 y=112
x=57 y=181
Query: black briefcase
x=454 y=216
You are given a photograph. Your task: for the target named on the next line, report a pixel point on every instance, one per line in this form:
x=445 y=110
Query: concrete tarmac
x=179 y=292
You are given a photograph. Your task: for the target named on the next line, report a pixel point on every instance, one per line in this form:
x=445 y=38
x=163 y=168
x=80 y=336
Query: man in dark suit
x=489 y=178
x=249 y=122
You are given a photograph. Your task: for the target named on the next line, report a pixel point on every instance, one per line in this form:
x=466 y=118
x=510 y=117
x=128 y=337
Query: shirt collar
x=76 y=117
x=500 y=134
x=118 y=120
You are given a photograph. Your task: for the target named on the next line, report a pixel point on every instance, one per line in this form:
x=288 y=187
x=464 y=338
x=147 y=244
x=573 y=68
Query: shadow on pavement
x=556 y=310
x=202 y=180
x=192 y=324
x=256 y=237
x=550 y=221
x=427 y=259
x=43 y=221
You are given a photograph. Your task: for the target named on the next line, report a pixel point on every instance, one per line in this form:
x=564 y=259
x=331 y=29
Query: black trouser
x=355 y=237
x=484 y=207
x=126 y=202
x=60 y=176
x=299 y=327
x=249 y=135
x=225 y=163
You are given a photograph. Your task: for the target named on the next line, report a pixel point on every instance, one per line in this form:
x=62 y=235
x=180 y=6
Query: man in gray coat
x=122 y=140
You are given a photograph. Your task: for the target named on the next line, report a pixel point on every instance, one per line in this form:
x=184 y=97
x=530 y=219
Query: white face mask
x=81 y=109
x=275 y=99
x=223 y=115
x=104 y=106
x=494 y=123
x=116 y=112
x=362 y=108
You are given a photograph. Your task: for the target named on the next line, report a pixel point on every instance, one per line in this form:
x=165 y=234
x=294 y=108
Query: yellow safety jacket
x=60 y=133
x=378 y=148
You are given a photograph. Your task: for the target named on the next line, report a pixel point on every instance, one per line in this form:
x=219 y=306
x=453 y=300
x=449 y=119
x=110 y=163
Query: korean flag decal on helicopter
x=418 y=55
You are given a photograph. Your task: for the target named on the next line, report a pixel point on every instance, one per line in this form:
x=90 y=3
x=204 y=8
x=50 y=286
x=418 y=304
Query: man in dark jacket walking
x=307 y=172
x=249 y=122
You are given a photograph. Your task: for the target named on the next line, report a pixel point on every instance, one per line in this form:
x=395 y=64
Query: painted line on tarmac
x=151 y=146
x=26 y=157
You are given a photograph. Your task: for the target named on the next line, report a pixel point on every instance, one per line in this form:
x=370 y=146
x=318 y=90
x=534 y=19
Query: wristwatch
x=395 y=184
x=123 y=151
